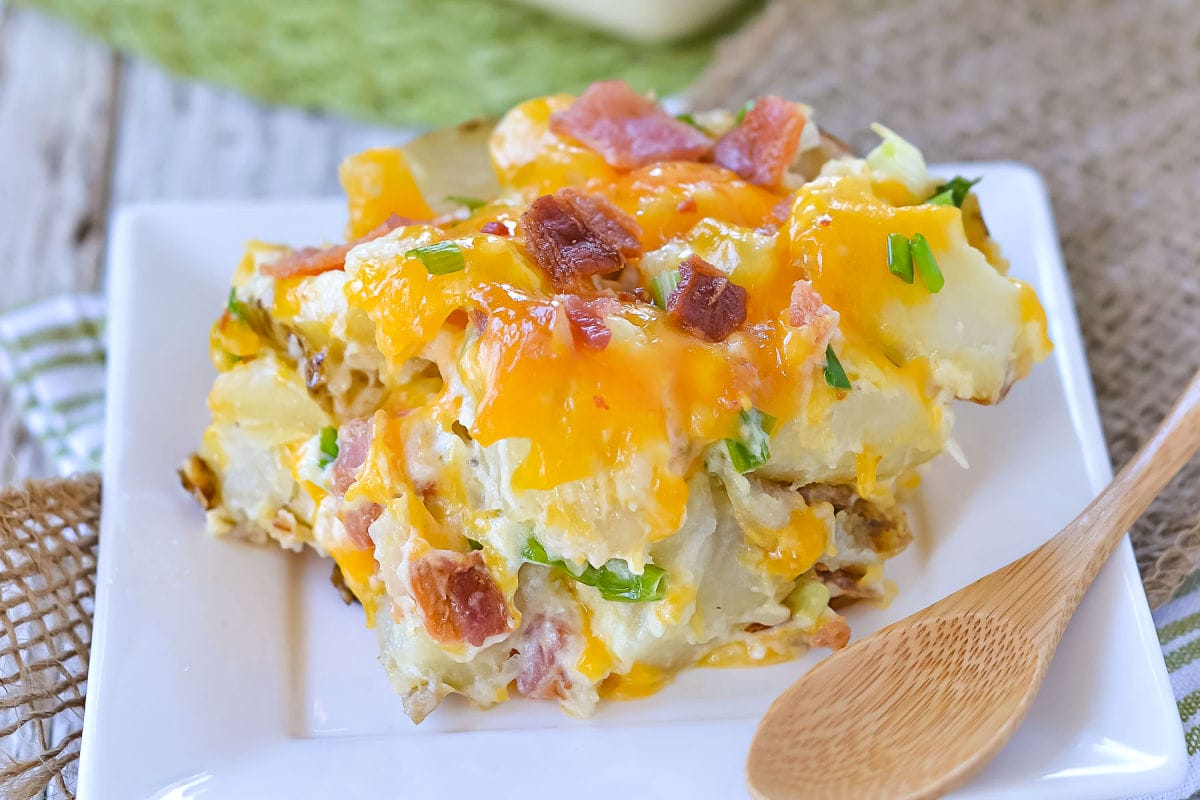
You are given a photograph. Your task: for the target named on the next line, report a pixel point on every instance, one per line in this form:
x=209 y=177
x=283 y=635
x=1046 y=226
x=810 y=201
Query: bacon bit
x=315 y=260
x=358 y=521
x=603 y=218
x=783 y=208
x=706 y=303
x=627 y=129
x=541 y=675
x=833 y=634
x=808 y=309
x=354 y=440
x=587 y=321
x=571 y=235
x=765 y=143
x=457 y=597
x=757 y=627
x=686 y=206
x=495 y=228
x=600 y=402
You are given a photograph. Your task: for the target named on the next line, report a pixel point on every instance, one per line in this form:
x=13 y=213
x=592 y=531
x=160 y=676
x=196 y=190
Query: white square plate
x=221 y=670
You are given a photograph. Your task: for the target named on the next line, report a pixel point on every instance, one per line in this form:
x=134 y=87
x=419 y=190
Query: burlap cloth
x=48 y=534
x=1103 y=98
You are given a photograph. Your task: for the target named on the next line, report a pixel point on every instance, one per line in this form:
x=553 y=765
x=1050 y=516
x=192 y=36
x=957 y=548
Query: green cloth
x=397 y=61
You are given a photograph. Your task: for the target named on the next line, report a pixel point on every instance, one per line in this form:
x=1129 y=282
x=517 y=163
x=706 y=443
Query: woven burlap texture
x=1102 y=98
x=48 y=535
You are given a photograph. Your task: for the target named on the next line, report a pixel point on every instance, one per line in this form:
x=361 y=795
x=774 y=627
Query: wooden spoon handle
x=1081 y=548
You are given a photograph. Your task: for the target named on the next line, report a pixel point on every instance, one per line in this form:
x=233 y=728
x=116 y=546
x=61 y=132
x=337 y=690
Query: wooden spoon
x=925 y=703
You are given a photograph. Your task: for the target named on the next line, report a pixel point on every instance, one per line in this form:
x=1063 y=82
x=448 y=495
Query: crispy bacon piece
x=833 y=634
x=495 y=228
x=570 y=235
x=627 y=129
x=765 y=143
x=357 y=522
x=706 y=303
x=808 y=309
x=588 y=328
x=541 y=673
x=354 y=440
x=605 y=220
x=457 y=597
x=315 y=260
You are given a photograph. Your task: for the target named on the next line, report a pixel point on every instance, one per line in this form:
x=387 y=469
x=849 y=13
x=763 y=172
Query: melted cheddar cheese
x=499 y=439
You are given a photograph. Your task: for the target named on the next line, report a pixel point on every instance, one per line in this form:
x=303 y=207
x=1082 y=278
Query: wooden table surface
x=84 y=130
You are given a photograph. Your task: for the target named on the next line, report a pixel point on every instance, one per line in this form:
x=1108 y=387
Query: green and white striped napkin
x=1178 y=624
x=52 y=355
x=52 y=358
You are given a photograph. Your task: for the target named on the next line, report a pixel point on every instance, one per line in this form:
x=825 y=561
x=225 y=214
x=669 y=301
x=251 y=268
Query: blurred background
x=104 y=103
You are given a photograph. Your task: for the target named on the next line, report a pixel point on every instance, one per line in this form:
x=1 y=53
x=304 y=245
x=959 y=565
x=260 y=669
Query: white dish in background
x=221 y=670
x=642 y=20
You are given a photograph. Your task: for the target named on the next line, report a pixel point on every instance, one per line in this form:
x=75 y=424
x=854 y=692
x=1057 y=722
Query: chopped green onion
x=743 y=111
x=752 y=447
x=474 y=545
x=615 y=580
x=328 y=447
x=662 y=284
x=927 y=265
x=235 y=306
x=835 y=376
x=688 y=118
x=953 y=192
x=899 y=257
x=472 y=203
x=440 y=258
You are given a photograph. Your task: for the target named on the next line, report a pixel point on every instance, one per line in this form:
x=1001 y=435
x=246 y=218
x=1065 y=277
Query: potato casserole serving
x=596 y=393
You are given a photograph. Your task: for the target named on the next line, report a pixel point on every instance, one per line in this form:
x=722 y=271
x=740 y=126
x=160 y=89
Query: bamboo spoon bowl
x=917 y=709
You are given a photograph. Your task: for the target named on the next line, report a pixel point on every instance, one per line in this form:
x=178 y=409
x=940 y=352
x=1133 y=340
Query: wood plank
x=57 y=107
x=185 y=140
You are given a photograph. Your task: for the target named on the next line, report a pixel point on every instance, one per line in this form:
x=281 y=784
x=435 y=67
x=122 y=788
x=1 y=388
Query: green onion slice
x=752 y=447
x=689 y=119
x=661 y=286
x=835 y=376
x=235 y=306
x=472 y=203
x=615 y=580
x=474 y=545
x=743 y=111
x=328 y=447
x=953 y=192
x=440 y=258
x=927 y=265
x=899 y=257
